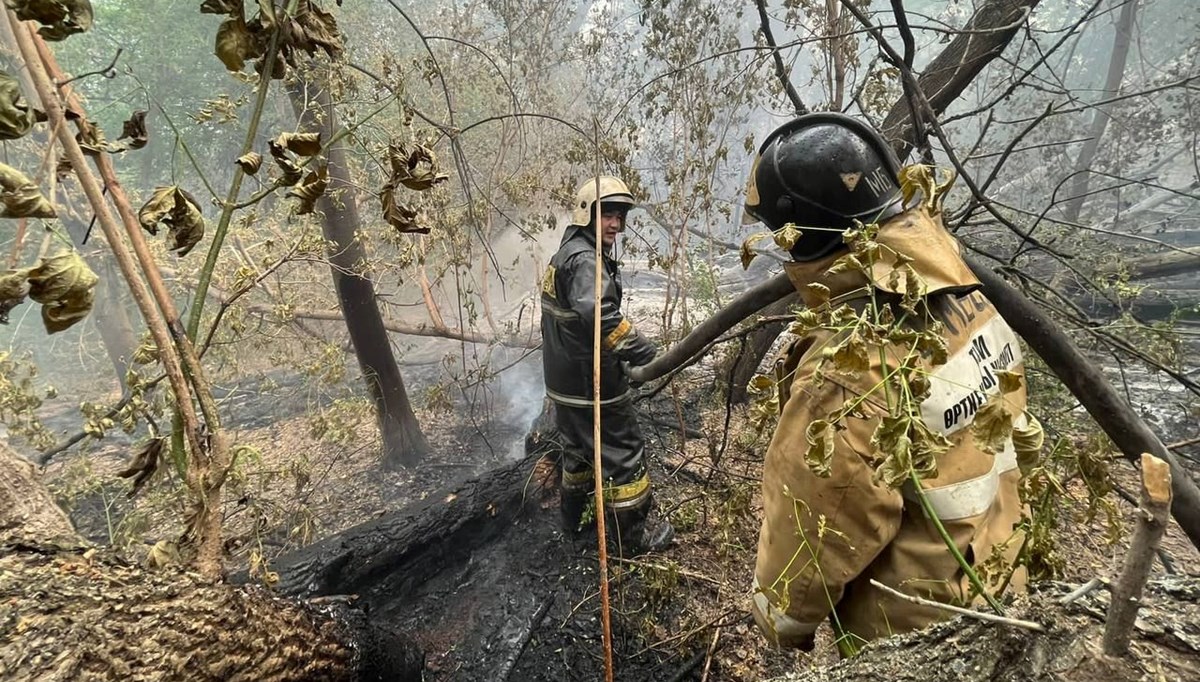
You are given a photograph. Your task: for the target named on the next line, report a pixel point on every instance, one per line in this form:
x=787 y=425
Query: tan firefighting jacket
x=823 y=539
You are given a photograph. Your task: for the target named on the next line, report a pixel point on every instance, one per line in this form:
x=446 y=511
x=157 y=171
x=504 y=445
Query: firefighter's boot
x=641 y=530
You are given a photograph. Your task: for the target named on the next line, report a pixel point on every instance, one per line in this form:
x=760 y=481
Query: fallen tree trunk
x=1158 y=265
x=398 y=552
x=75 y=612
x=1086 y=382
x=686 y=351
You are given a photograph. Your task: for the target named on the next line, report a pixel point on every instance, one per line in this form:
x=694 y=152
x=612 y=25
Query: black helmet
x=823 y=170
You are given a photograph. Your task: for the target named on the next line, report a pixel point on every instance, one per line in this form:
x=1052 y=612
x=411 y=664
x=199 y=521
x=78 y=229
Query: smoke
x=521 y=393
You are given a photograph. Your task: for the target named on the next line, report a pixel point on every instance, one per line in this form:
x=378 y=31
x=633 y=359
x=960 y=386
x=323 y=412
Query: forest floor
x=525 y=606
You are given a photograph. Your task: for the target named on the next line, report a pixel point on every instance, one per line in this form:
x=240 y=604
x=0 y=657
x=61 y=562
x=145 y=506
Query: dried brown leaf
x=135 y=131
x=310 y=190
x=250 y=162
x=747 y=251
x=144 y=464
x=178 y=210
x=59 y=18
x=416 y=169
x=235 y=44
x=400 y=216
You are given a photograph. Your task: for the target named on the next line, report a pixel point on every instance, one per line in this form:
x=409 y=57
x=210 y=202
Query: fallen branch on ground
x=978 y=615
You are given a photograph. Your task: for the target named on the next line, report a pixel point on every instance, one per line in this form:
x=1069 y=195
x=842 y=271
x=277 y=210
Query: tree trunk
x=403 y=442
x=78 y=613
x=758 y=343
x=1112 y=85
x=112 y=321
x=983 y=39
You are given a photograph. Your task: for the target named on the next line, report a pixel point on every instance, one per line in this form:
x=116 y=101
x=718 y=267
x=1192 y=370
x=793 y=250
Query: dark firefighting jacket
x=568 y=307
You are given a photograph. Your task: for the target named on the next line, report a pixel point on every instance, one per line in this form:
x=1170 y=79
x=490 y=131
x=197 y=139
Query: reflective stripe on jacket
x=823 y=539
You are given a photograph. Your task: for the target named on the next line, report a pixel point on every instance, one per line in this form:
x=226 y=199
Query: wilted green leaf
x=310 y=190
x=66 y=287
x=175 y=208
x=760 y=383
x=416 y=169
x=16 y=116
x=400 y=216
x=266 y=9
x=14 y=287
x=60 y=18
x=164 y=553
x=21 y=197
x=146 y=352
x=850 y=356
x=747 y=251
x=250 y=162
x=135 y=131
x=786 y=236
x=819 y=456
x=847 y=263
x=923 y=178
x=992 y=426
x=819 y=292
x=235 y=44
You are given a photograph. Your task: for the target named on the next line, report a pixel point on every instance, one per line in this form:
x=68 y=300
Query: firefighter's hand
x=630 y=374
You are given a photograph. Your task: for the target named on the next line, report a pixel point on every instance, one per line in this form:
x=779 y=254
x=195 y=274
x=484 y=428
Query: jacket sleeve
x=617 y=334
x=818 y=534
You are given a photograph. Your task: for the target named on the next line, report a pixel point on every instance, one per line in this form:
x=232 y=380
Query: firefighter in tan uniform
x=824 y=538
x=568 y=316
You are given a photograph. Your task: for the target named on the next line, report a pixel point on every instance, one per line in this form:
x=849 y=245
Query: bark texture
x=70 y=612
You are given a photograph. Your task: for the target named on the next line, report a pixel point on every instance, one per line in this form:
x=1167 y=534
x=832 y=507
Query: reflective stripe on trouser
x=621 y=453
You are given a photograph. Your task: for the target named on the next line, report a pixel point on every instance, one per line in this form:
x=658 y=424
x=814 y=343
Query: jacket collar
x=916 y=234
x=582 y=232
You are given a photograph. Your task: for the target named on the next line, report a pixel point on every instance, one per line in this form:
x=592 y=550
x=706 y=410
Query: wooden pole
x=597 y=462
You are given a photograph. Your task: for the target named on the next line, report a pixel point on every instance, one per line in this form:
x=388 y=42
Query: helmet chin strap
x=893 y=210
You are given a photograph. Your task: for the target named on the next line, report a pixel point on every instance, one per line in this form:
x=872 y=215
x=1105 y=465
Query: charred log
x=396 y=553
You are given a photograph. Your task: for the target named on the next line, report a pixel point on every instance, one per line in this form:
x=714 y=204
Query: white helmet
x=612 y=191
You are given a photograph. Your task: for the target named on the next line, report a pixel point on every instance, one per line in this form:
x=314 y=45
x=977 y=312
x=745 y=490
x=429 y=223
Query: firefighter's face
x=612 y=223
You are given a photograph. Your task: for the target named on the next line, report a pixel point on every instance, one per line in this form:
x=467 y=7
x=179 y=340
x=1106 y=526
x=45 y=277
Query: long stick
x=597 y=473
x=978 y=615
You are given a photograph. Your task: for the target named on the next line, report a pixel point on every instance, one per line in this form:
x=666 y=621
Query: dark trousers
x=622 y=447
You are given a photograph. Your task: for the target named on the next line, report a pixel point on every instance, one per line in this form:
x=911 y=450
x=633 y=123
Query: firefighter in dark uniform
x=568 y=316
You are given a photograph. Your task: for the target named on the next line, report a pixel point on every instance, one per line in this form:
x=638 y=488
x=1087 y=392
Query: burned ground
x=514 y=598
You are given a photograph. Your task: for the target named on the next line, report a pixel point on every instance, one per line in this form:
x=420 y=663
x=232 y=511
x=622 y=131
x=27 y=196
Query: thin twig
x=1083 y=591
x=978 y=615
x=109 y=71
